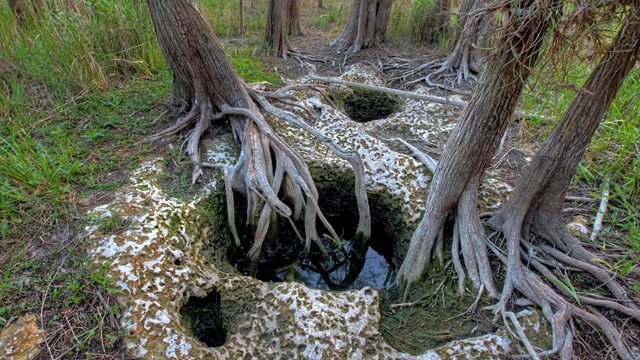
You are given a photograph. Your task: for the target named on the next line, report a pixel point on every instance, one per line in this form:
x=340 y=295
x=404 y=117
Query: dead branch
x=412 y=95
x=602 y=209
x=386 y=90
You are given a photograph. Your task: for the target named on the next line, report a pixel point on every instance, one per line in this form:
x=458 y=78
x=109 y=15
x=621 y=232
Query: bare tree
x=471 y=146
x=366 y=27
x=537 y=203
x=293 y=18
x=534 y=210
x=267 y=166
x=466 y=58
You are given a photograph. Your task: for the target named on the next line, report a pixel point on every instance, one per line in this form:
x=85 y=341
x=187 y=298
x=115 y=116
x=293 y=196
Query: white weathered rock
x=169 y=253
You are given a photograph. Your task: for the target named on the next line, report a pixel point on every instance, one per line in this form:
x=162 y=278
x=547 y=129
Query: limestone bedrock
x=174 y=248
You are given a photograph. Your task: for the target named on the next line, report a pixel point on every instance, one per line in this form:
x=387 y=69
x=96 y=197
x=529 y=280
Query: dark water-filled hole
x=204 y=318
x=364 y=105
x=283 y=257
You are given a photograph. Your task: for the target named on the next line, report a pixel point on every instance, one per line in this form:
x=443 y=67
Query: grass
x=79 y=90
x=612 y=156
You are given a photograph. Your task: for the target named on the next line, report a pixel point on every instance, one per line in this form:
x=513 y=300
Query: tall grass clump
x=81 y=45
x=430 y=22
x=224 y=16
x=34 y=174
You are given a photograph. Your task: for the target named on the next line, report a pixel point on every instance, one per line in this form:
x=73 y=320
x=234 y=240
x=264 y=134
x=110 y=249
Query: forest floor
x=44 y=266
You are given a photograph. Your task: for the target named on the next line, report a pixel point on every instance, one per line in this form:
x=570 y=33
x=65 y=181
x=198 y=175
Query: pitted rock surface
x=21 y=340
x=170 y=252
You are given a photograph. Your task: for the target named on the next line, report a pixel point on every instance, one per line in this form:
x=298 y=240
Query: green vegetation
x=613 y=156
x=80 y=89
x=363 y=105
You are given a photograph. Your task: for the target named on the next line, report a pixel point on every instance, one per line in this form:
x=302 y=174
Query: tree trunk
x=535 y=207
x=472 y=144
x=466 y=58
x=276 y=32
x=366 y=27
x=547 y=178
x=293 y=18
x=267 y=167
x=320 y=5
x=242 y=31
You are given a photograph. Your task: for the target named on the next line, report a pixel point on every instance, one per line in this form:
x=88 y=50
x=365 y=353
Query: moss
x=114 y=224
x=364 y=105
x=437 y=316
x=203 y=317
x=211 y=219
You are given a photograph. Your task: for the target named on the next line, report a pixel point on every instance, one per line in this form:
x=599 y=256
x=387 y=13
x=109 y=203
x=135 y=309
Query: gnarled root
x=555 y=303
x=469 y=233
x=461 y=62
x=267 y=166
x=468 y=242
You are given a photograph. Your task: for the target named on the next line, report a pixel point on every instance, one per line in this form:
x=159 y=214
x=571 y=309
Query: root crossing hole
x=343 y=267
x=204 y=318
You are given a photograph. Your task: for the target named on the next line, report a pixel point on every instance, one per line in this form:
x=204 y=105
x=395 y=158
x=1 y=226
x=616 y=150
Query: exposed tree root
x=558 y=309
x=469 y=250
x=268 y=165
x=463 y=62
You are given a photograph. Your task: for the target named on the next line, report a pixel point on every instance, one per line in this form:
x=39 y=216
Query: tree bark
x=535 y=207
x=276 y=32
x=293 y=18
x=366 y=27
x=267 y=166
x=466 y=58
x=473 y=142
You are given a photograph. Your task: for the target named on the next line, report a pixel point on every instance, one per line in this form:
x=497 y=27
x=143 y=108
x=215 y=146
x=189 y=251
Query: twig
x=522 y=335
x=411 y=95
x=579 y=199
x=597 y=224
x=427 y=160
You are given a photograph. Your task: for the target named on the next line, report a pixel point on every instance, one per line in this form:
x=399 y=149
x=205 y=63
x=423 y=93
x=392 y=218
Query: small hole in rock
x=364 y=105
x=177 y=262
x=204 y=318
x=283 y=259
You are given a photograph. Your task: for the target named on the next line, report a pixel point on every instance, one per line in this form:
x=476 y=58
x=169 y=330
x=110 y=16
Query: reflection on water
x=339 y=272
x=376 y=272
